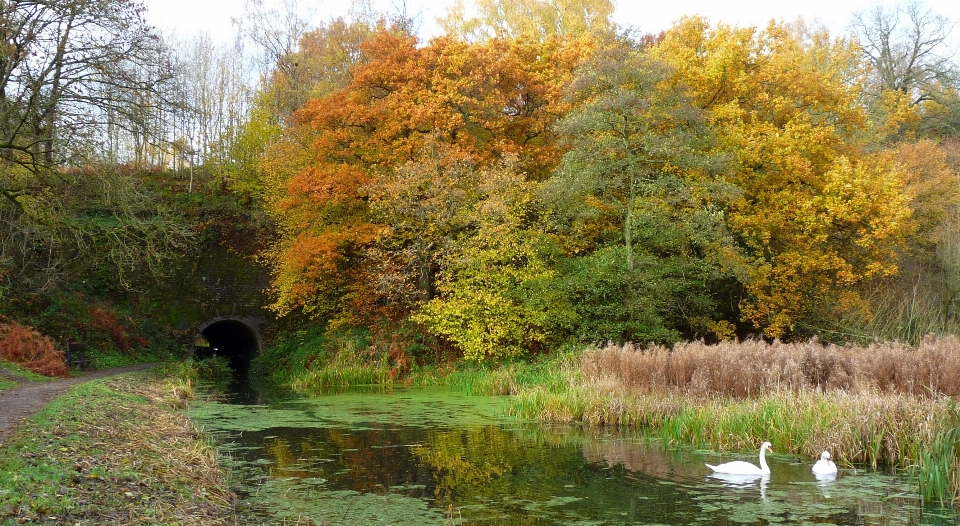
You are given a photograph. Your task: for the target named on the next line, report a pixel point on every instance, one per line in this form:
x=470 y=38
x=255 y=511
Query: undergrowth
x=312 y=361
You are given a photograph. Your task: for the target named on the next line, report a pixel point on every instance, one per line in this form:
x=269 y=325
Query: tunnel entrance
x=235 y=338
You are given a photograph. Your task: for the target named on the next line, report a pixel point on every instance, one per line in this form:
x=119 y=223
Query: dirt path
x=29 y=397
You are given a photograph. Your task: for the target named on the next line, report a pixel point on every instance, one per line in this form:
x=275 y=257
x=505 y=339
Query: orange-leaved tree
x=320 y=65
x=819 y=213
x=480 y=101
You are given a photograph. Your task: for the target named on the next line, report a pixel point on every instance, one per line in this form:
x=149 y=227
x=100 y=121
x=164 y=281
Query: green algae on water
x=428 y=407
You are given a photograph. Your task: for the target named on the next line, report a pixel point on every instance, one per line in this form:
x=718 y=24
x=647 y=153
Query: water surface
x=433 y=456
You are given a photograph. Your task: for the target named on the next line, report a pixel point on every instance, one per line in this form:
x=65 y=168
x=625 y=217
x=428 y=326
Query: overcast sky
x=187 y=18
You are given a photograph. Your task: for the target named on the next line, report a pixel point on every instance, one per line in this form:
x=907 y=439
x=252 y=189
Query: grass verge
x=22 y=372
x=117 y=451
x=551 y=374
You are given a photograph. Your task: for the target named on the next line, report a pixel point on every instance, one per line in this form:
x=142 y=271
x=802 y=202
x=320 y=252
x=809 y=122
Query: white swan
x=824 y=466
x=739 y=467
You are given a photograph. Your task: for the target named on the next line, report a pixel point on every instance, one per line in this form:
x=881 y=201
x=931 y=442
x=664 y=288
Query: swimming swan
x=824 y=466
x=739 y=467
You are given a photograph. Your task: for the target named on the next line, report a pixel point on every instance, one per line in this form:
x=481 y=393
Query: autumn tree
x=483 y=19
x=425 y=206
x=319 y=63
x=907 y=49
x=482 y=101
x=819 y=213
x=632 y=133
x=497 y=292
x=912 y=74
x=931 y=183
x=924 y=297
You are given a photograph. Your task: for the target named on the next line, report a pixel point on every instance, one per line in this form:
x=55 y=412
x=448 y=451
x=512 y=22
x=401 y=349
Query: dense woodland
x=538 y=177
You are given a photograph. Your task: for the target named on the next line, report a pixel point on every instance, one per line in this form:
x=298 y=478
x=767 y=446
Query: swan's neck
x=763 y=461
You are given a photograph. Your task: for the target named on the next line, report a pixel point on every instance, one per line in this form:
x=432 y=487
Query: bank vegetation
x=886 y=405
x=115 y=451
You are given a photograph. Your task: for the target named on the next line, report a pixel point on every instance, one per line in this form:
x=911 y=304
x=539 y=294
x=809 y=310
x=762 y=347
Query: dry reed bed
x=753 y=368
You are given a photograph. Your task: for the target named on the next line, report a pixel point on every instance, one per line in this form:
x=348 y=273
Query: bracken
x=24 y=345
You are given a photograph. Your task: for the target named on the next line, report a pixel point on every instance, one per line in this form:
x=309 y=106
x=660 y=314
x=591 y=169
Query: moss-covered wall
x=216 y=282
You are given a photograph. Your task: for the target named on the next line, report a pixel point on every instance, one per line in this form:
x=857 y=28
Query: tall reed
x=858 y=428
x=347 y=368
x=938 y=469
x=753 y=368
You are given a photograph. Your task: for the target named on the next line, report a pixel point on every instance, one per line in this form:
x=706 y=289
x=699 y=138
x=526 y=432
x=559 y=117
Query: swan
x=824 y=466
x=739 y=467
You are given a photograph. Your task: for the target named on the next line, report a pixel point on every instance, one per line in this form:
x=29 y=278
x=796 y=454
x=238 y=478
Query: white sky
x=187 y=18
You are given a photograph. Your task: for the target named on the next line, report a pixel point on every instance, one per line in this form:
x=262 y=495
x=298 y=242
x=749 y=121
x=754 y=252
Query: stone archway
x=234 y=337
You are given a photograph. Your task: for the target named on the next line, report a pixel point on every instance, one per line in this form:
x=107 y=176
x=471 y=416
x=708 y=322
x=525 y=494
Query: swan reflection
x=743 y=481
x=824 y=481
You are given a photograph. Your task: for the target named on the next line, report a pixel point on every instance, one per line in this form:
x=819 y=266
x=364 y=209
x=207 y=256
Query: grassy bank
x=857 y=429
x=117 y=451
x=310 y=362
x=347 y=369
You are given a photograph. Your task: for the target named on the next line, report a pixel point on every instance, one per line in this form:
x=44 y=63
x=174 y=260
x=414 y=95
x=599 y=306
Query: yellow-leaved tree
x=484 y=19
x=820 y=214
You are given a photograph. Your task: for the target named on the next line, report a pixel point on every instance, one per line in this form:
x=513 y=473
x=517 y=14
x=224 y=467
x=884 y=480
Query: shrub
x=22 y=344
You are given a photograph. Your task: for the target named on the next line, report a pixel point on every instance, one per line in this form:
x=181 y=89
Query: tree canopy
x=711 y=181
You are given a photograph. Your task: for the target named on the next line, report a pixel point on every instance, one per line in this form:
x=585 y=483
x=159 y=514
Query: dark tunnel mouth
x=231 y=338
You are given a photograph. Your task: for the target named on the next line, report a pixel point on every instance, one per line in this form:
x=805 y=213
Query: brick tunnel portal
x=235 y=338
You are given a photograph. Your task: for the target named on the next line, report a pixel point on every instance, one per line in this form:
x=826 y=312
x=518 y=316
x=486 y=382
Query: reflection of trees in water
x=373 y=460
x=638 y=457
x=488 y=463
x=454 y=466
x=496 y=475
x=517 y=475
x=466 y=459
